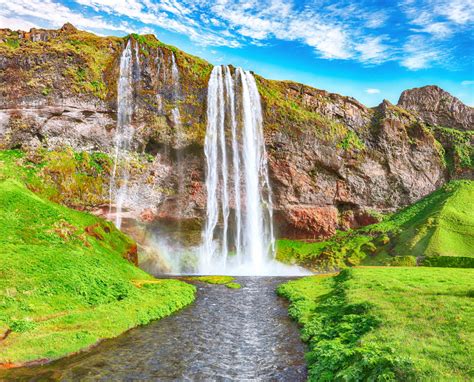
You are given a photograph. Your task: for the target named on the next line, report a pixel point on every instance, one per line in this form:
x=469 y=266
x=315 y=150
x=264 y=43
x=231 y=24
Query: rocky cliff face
x=437 y=107
x=333 y=161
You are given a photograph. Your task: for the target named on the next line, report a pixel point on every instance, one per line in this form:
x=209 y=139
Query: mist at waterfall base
x=238 y=236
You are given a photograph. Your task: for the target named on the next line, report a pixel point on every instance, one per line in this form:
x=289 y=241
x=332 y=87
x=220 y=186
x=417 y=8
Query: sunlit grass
x=407 y=323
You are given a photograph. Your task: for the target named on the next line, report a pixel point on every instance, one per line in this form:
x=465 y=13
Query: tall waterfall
x=238 y=235
x=124 y=130
x=178 y=128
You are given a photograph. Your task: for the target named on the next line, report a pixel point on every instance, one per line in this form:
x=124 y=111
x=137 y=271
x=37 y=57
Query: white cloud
x=373 y=50
x=14 y=23
x=457 y=11
x=53 y=14
x=419 y=60
x=425 y=13
x=372 y=91
x=438 y=30
x=419 y=53
x=335 y=29
x=167 y=14
x=467 y=83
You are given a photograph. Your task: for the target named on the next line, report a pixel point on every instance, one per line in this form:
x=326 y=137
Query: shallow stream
x=225 y=335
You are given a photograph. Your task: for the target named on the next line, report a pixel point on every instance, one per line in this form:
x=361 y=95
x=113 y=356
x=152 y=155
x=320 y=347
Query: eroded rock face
x=319 y=187
x=332 y=161
x=437 y=107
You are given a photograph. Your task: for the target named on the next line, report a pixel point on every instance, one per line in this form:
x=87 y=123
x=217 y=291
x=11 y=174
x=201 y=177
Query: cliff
x=333 y=162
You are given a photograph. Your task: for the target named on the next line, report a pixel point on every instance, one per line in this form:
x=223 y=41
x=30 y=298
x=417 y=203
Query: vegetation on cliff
x=82 y=59
x=67 y=278
x=387 y=324
x=458 y=147
x=436 y=231
x=75 y=179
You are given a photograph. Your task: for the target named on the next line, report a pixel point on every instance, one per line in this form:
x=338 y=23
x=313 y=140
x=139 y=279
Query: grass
x=439 y=229
x=228 y=281
x=403 y=324
x=65 y=281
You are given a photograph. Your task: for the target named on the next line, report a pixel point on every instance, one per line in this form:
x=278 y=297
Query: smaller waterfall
x=178 y=127
x=124 y=132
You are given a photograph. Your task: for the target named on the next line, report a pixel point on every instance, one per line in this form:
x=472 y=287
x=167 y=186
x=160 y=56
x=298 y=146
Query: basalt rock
x=437 y=107
x=333 y=162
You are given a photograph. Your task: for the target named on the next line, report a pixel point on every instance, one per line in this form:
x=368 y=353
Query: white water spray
x=238 y=235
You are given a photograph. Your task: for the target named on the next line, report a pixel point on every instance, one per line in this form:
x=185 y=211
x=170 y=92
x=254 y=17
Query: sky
x=368 y=49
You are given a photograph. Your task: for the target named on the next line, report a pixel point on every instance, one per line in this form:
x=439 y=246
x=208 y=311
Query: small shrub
x=403 y=261
x=46 y=91
x=13 y=43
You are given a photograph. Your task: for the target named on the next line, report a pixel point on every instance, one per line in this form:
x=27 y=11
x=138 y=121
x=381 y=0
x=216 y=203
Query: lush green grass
x=386 y=324
x=65 y=282
x=228 y=281
x=441 y=225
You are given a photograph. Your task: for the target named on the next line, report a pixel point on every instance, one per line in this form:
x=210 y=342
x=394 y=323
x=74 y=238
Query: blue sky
x=367 y=49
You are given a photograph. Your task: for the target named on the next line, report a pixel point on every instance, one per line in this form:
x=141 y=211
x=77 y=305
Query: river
x=225 y=335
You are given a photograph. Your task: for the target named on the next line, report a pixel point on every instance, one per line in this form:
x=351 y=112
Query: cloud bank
x=417 y=34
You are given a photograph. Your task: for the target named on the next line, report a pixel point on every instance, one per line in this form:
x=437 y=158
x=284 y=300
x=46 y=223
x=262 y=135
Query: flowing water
x=238 y=235
x=226 y=335
x=124 y=130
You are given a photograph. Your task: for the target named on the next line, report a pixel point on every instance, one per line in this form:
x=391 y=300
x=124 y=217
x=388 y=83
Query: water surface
x=226 y=335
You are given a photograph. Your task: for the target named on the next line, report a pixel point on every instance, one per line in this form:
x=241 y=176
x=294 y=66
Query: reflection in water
x=226 y=335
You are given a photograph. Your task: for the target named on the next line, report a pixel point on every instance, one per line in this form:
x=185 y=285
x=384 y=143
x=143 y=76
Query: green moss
x=66 y=177
x=221 y=280
x=228 y=281
x=233 y=285
x=287 y=111
x=46 y=91
x=351 y=142
x=63 y=274
x=404 y=324
x=13 y=43
x=458 y=152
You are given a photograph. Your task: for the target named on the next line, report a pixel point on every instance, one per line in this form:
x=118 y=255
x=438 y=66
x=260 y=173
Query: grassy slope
x=386 y=323
x=63 y=288
x=441 y=224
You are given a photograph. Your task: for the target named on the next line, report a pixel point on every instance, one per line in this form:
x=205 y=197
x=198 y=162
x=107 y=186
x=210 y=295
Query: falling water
x=237 y=182
x=124 y=132
x=178 y=128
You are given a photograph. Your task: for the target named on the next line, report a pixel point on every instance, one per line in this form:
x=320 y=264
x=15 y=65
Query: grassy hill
x=437 y=230
x=66 y=279
x=405 y=324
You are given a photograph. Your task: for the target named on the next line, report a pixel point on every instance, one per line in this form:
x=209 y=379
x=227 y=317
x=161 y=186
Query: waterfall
x=123 y=133
x=238 y=234
x=178 y=128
